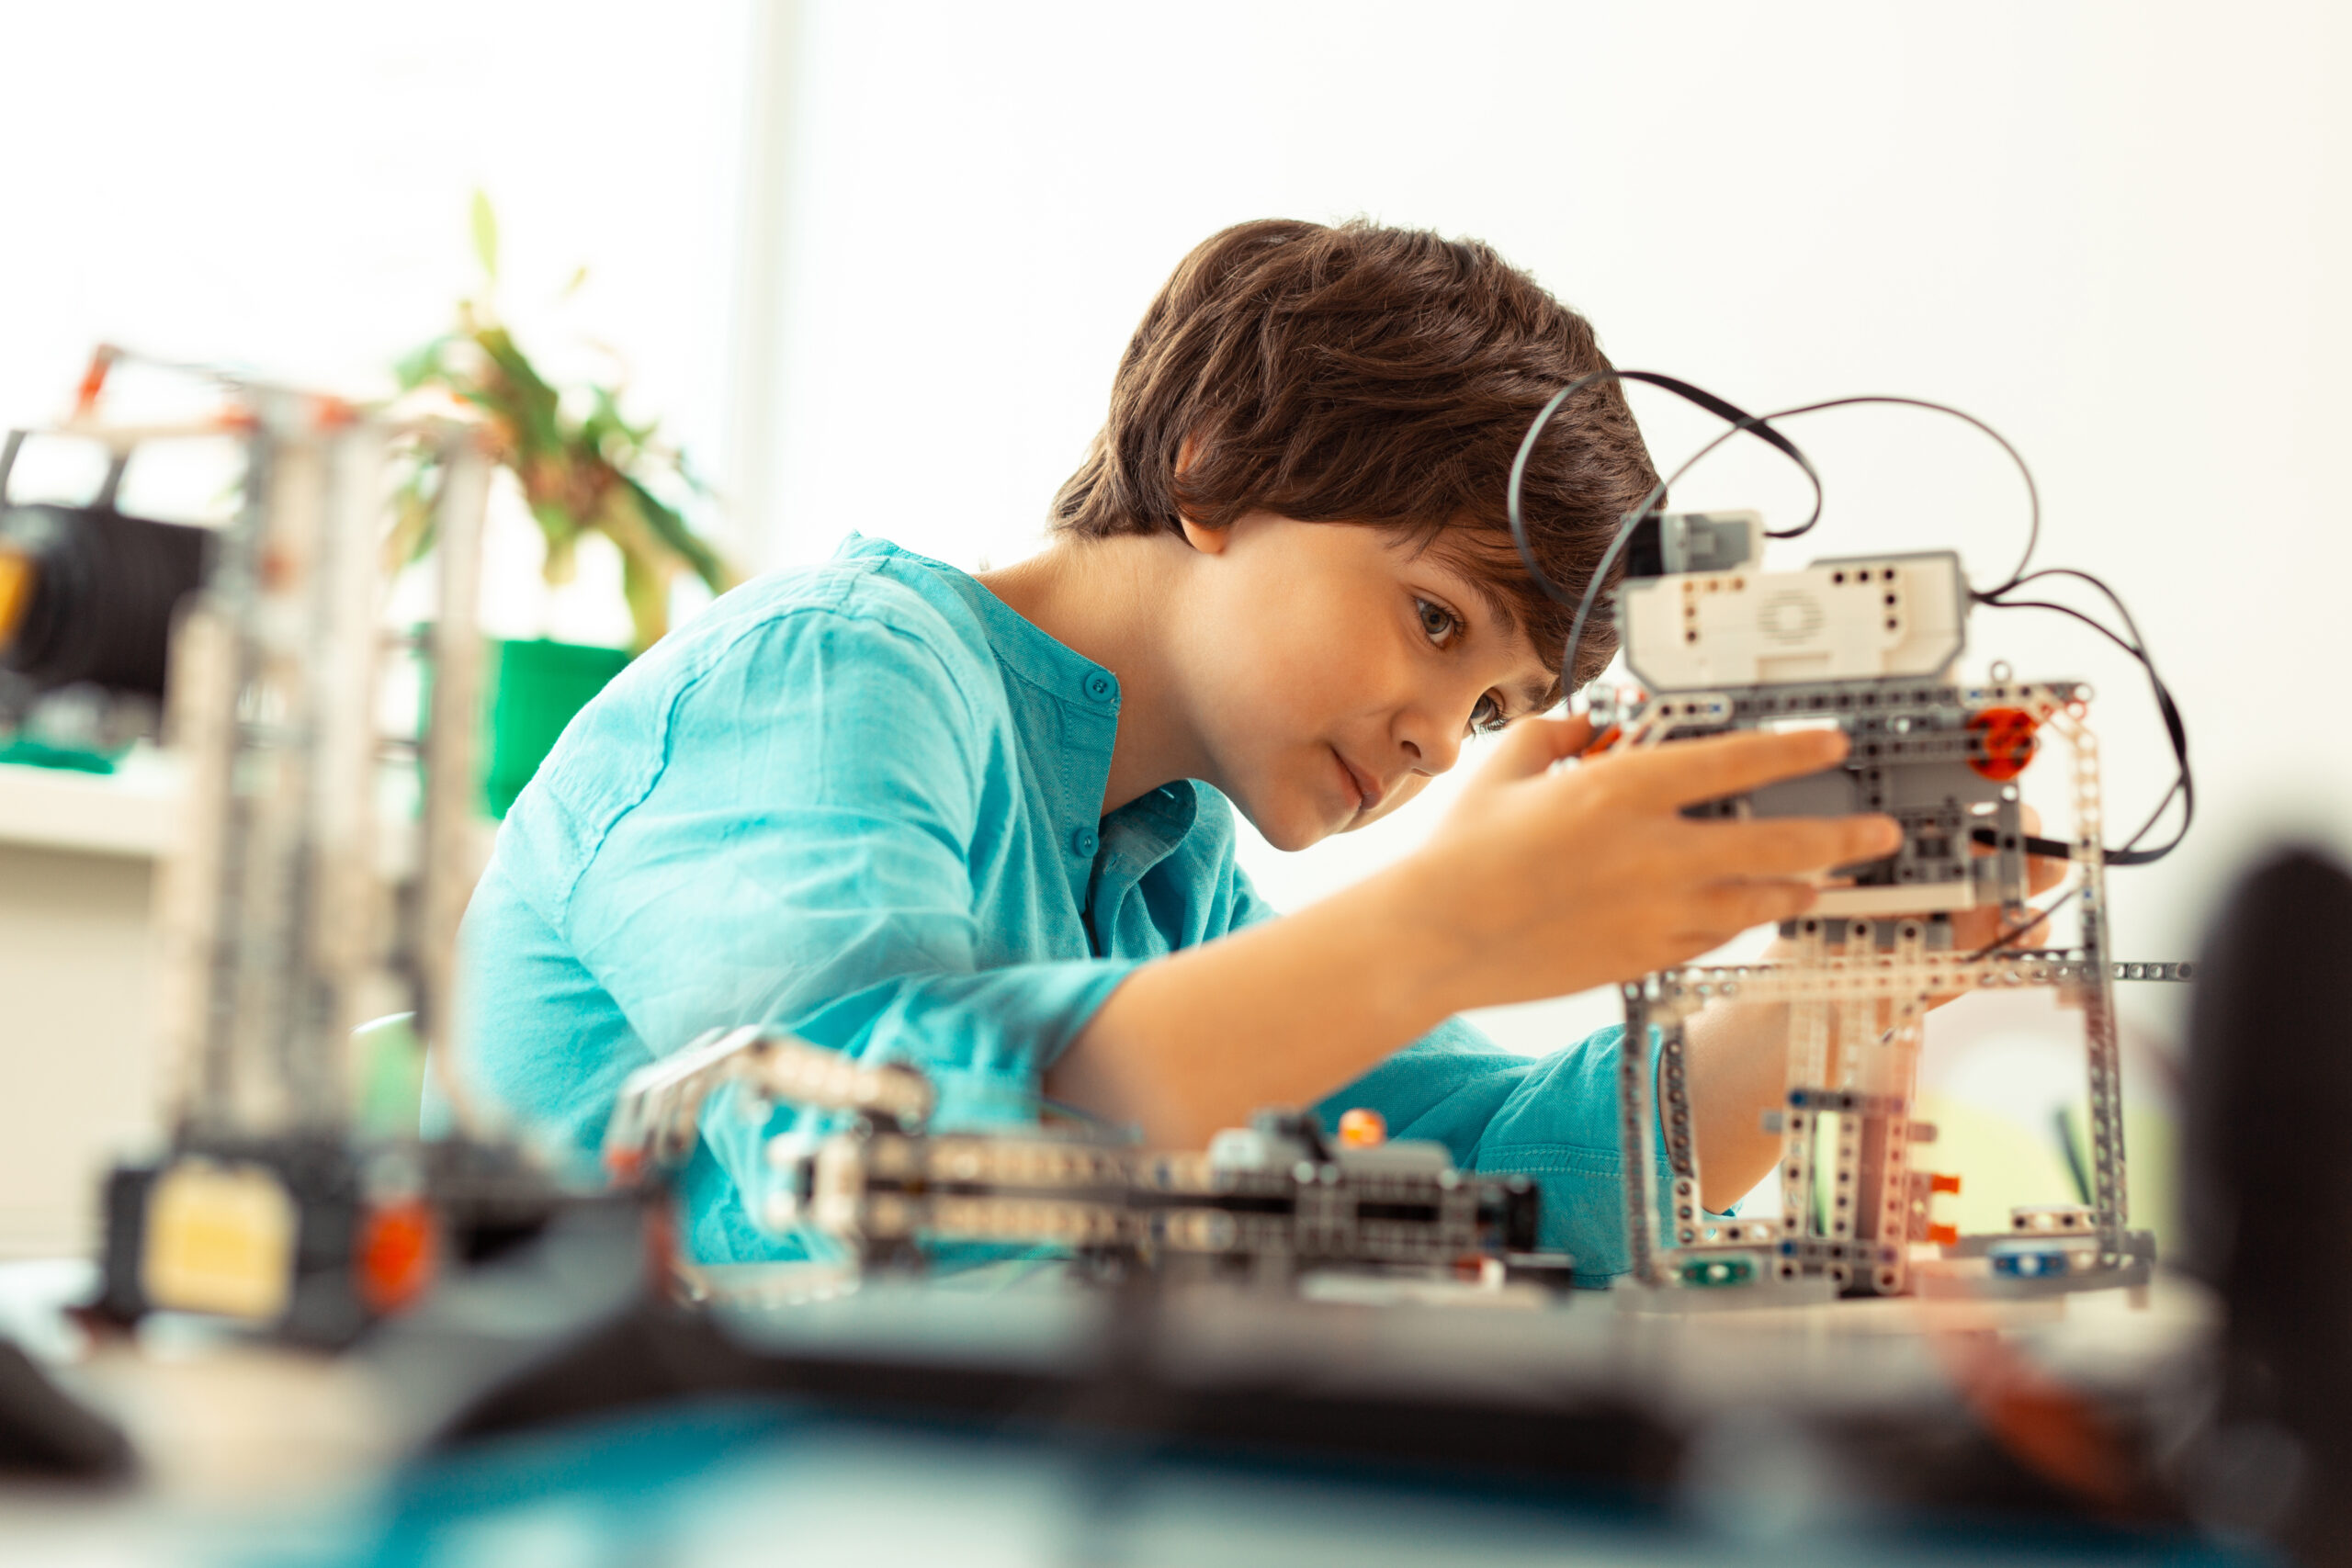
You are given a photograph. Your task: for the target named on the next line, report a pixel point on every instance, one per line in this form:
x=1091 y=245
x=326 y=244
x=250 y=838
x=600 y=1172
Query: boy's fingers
x=2042 y=873
x=1735 y=906
x=1790 y=846
x=1683 y=773
x=2030 y=936
x=1534 y=744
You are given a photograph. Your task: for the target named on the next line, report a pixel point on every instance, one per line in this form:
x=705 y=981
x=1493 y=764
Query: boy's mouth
x=1368 y=793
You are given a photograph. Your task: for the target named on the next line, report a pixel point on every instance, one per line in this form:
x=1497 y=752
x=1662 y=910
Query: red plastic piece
x=2007 y=735
x=397 y=1255
x=1942 y=1182
x=1943 y=1235
x=94 y=381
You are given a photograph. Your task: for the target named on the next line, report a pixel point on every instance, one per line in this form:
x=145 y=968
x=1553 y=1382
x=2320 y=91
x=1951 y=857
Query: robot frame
x=1267 y=1203
x=1867 y=644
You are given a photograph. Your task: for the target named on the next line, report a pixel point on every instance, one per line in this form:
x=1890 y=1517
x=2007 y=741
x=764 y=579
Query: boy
x=982 y=824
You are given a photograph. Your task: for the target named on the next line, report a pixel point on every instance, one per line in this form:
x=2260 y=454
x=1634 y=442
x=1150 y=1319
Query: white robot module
x=1868 y=644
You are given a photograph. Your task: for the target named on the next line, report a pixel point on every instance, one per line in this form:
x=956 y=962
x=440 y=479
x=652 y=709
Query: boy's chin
x=1288 y=825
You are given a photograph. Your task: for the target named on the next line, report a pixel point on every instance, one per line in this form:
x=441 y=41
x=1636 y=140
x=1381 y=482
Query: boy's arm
x=1542 y=881
x=1553 y=1117
x=795 y=851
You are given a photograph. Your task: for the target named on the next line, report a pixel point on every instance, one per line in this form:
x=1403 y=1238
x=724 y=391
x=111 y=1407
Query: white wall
x=2116 y=232
x=285 y=185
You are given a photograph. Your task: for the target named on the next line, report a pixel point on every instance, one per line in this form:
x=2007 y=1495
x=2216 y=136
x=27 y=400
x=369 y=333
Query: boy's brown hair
x=1362 y=374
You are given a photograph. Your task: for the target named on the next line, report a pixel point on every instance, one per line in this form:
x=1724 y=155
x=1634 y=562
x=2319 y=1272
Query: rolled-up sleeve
x=801 y=856
x=1551 y=1117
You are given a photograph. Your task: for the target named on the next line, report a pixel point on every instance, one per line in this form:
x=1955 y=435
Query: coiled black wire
x=2184 y=785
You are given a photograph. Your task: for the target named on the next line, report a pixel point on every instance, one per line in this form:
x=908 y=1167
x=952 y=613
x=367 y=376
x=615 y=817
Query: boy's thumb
x=1535 y=744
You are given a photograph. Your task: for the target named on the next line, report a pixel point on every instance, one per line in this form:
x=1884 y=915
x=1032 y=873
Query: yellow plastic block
x=220 y=1238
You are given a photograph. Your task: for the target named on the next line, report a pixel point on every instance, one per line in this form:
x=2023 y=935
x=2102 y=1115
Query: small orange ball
x=1363 y=1128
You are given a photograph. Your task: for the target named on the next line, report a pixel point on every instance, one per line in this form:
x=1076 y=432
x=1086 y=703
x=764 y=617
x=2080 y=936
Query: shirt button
x=1098 y=686
x=1084 y=842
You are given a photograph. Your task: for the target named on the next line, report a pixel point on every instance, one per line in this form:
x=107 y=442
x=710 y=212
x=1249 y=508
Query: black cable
x=2032 y=921
x=1740 y=420
x=2032 y=491
x=2184 y=785
x=2138 y=644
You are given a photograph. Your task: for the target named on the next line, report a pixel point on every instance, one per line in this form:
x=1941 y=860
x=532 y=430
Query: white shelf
x=134 y=811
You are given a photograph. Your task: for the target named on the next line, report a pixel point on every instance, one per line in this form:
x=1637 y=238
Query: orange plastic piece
x=2007 y=735
x=1603 y=741
x=1943 y=1235
x=16 y=581
x=93 y=381
x=1363 y=1128
x=1942 y=1182
x=397 y=1255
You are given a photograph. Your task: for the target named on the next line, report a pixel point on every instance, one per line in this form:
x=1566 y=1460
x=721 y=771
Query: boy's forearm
x=1738 y=1067
x=1281 y=1013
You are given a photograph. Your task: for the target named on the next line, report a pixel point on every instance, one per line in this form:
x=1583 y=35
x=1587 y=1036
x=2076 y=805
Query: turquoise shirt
x=862 y=801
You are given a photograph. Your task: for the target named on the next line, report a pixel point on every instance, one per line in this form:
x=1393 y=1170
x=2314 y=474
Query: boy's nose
x=1429 y=750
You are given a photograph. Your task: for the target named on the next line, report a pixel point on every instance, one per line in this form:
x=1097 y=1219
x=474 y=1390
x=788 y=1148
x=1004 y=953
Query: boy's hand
x=1542 y=881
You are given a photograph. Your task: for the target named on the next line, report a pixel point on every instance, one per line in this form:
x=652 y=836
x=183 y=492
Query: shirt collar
x=1067 y=704
x=1051 y=666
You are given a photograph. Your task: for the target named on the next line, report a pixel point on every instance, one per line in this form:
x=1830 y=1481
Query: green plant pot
x=534 y=688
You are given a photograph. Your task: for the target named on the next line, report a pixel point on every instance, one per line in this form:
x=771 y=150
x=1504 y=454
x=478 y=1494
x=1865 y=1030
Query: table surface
x=135 y=810
x=249 y=1450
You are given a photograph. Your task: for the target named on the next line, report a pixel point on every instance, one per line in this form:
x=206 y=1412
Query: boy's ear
x=1208 y=541
x=1201 y=537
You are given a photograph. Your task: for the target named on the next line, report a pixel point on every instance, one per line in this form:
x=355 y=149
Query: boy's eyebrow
x=1497 y=601
x=1533 y=696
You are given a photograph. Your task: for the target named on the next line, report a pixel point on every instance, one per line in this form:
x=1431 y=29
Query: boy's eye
x=1487 y=717
x=1437 y=621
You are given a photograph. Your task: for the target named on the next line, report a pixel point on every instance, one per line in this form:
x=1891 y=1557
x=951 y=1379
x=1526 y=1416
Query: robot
x=1868 y=644
x=1264 y=1204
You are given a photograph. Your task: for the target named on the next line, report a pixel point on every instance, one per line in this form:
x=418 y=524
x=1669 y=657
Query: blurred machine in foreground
x=323 y=859
x=1262 y=1205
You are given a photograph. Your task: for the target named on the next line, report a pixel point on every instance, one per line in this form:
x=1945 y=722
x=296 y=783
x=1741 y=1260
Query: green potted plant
x=583 y=468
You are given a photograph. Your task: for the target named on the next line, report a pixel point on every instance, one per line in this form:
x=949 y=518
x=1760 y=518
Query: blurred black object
x=1104 y=1383
x=103 y=590
x=2265 y=1187
x=352 y=1265
x=45 y=1434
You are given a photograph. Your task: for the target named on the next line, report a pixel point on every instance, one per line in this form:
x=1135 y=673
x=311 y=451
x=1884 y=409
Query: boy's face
x=1330 y=671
